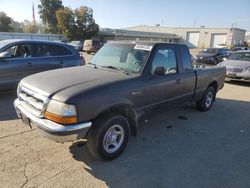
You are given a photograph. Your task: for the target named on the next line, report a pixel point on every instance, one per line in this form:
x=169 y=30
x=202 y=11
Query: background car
x=92 y=46
x=20 y=58
x=77 y=44
x=211 y=56
x=238 y=65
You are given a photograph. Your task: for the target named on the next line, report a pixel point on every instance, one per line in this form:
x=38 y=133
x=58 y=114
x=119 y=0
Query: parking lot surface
x=178 y=148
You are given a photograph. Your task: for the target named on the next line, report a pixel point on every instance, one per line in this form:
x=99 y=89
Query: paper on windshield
x=143 y=47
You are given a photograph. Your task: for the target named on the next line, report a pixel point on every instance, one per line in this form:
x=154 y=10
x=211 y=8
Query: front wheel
x=207 y=100
x=109 y=136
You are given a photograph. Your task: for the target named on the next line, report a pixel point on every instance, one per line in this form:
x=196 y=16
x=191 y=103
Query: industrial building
x=199 y=37
x=122 y=34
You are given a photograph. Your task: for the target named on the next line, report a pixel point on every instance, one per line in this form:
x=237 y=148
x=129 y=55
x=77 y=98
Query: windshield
x=126 y=56
x=210 y=51
x=240 y=56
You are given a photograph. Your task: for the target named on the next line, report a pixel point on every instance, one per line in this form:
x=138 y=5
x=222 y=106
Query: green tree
x=78 y=24
x=66 y=22
x=47 y=11
x=16 y=26
x=5 y=22
x=29 y=27
x=85 y=23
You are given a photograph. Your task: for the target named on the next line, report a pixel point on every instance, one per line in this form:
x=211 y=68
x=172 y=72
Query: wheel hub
x=113 y=138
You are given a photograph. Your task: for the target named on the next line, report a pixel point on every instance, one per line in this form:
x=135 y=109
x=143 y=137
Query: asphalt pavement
x=178 y=148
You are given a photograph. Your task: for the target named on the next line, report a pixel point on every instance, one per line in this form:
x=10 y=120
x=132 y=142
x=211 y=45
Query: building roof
x=124 y=32
x=188 y=28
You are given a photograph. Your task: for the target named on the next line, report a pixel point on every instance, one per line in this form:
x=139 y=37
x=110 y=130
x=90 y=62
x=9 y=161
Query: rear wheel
x=207 y=100
x=109 y=136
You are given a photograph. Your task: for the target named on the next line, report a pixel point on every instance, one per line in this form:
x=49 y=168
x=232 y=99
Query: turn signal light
x=60 y=119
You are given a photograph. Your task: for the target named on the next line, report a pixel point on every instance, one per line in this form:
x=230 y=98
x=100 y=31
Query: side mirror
x=4 y=55
x=2 y=58
x=159 y=70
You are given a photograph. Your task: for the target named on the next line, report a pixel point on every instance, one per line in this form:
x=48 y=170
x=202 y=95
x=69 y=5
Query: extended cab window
x=186 y=58
x=48 y=50
x=165 y=58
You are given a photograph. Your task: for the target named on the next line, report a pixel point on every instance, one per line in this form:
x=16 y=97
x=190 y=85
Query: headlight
x=61 y=112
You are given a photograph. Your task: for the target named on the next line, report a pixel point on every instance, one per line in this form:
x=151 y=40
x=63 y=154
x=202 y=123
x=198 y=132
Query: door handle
x=179 y=81
x=29 y=64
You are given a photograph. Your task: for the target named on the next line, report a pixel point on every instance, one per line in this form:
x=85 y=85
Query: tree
x=66 y=22
x=16 y=26
x=5 y=22
x=85 y=23
x=29 y=27
x=47 y=11
x=78 y=24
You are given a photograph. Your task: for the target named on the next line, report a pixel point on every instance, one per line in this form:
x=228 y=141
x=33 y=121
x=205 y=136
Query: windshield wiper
x=94 y=65
x=116 y=68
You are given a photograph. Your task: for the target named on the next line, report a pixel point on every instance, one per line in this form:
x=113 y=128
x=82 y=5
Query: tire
x=108 y=136
x=207 y=100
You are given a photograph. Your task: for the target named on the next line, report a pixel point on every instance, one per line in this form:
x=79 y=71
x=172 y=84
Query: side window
x=11 y=51
x=165 y=58
x=48 y=50
x=20 y=51
x=57 y=50
x=186 y=58
x=220 y=51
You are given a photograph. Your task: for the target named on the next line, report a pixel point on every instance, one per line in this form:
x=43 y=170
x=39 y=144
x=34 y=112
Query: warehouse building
x=200 y=37
x=121 y=34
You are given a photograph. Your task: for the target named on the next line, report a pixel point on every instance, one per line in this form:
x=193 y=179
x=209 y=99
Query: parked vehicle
x=20 y=58
x=77 y=44
x=92 y=46
x=103 y=101
x=237 y=48
x=211 y=56
x=238 y=66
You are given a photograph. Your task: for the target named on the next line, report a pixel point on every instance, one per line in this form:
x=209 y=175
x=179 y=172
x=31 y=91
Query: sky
x=118 y=14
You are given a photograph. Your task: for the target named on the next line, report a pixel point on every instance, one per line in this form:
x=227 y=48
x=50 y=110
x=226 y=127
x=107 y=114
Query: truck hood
x=73 y=79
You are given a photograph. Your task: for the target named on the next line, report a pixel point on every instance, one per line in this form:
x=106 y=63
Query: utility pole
x=33 y=14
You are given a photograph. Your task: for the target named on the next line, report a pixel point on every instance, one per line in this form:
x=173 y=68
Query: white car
x=238 y=66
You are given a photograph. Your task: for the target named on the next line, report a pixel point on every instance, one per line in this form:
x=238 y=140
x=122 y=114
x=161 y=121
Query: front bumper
x=52 y=130
x=238 y=76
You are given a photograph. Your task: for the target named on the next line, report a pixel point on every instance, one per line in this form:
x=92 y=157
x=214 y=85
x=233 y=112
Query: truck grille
x=236 y=70
x=34 y=102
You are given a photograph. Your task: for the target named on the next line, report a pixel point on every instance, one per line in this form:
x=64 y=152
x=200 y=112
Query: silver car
x=238 y=66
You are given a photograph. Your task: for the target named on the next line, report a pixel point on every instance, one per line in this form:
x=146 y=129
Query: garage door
x=218 y=39
x=193 y=39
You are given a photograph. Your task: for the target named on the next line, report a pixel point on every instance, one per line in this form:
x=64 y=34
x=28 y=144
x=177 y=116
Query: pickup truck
x=103 y=101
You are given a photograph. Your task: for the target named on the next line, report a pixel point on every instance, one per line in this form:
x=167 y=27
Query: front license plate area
x=231 y=75
x=26 y=120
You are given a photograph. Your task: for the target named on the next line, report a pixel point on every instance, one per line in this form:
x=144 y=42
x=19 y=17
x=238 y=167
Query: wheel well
x=128 y=112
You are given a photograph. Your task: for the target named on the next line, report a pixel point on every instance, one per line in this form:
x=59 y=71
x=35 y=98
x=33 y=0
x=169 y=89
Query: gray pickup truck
x=103 y=101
